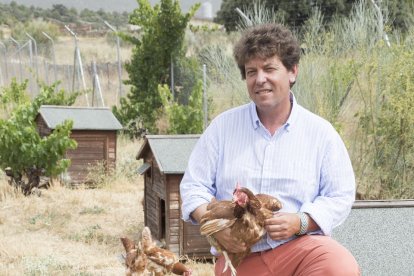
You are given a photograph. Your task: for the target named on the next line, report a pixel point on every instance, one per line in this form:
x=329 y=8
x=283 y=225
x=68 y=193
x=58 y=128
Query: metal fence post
x=78 y=61
x=20 y=58
x=53 y=55
x=96 y=83
x=205 y=109
x=119 y=60
x=35 y=54
x=5 y=60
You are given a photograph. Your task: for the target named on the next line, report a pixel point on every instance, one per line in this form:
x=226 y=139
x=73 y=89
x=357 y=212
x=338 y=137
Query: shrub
x=25 y=156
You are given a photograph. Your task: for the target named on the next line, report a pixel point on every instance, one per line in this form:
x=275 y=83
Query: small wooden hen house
x=165 y=159
x=95 y=131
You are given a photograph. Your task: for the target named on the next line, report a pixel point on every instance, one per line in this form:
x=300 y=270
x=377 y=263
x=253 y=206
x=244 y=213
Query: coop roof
x=377 y=232
x=84 y=118
x=171 y=152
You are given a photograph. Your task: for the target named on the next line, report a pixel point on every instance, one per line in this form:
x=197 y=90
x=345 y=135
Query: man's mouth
x=263 y=91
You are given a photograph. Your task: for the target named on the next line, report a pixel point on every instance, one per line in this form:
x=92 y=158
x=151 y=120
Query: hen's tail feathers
x=146 y=238
x=181 y=269
x=128 y=244
x=228 y=264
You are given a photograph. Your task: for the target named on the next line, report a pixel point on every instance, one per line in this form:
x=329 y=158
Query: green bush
x=25 y=156
x=183 y=119
x=35 y=28
x=387 y=124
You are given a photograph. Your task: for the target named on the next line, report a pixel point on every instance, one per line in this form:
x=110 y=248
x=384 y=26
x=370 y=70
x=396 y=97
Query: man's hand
x=199 y=212
x=230 y=244
x=282 y=225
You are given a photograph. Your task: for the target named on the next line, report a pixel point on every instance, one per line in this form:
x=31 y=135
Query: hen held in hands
x=245 y=215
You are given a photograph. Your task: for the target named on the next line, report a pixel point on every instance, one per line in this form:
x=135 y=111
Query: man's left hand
x=282 y=225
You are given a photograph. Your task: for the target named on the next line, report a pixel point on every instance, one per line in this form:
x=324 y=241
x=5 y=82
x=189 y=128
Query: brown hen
x=245 y=216
x=148 y=259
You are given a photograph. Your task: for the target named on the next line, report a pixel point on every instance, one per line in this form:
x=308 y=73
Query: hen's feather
x=135 y=261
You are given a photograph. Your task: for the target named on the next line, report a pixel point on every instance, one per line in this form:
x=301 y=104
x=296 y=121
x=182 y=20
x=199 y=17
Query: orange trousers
x=308 y=255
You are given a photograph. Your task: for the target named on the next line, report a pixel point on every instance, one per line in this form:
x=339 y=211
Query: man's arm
x=199 y=212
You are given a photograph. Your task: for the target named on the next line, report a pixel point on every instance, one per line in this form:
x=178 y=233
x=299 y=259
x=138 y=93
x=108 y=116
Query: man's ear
x=293 y=73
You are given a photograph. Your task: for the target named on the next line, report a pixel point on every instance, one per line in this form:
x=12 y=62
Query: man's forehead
x=262 y=60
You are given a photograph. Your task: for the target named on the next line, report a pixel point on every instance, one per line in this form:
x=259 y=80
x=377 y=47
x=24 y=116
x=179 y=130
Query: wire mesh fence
x=101 y=82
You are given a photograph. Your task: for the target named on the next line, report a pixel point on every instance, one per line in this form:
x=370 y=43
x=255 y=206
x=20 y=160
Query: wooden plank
x=174 y=205
x=174 y=183
x=190 y=229
x=95 y=143
x=174 y=222
x=359 y=204
x=181 y=225
x=174 y=239
x=85 y=158
x=196 y=244
x=174 y=230
x=175 y=213
x=174 y=248
x=174 y=196
x=76 y=168
x=86 y=149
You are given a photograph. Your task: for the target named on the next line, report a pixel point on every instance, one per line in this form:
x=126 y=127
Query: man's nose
x=261 y=77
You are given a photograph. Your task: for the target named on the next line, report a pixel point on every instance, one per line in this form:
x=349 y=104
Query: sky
x=108 y=5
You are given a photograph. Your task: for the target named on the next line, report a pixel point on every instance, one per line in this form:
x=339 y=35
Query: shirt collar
x=293 y=113
x=292 y=117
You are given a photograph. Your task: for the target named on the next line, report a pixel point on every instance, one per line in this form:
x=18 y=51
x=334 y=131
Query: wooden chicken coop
x=165 y=159
x=95 y=131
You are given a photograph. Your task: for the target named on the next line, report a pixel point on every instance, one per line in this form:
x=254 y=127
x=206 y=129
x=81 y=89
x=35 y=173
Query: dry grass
x=92 y=48
x=75 y=231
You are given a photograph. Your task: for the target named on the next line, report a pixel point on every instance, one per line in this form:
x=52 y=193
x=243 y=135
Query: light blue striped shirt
x=305 y=164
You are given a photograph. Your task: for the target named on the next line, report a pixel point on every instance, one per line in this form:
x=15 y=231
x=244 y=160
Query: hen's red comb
x=238 y=187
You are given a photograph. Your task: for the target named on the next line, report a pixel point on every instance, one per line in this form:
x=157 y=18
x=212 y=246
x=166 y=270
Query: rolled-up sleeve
x=337 y=188
x=198 y=184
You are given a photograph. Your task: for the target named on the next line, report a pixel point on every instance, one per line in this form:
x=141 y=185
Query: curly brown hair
x=265 y=41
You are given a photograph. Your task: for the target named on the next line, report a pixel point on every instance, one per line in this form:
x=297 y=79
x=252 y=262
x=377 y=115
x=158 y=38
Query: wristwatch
x=304 y=223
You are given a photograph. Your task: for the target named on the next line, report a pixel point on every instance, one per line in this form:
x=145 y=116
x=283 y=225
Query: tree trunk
x=30 y=180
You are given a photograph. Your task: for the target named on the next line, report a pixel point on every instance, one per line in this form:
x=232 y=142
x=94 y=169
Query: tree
x=227 y=14
x=162 y=36
x=183 y=119
x=24 y=155
x=36 y=28
x=295 y=12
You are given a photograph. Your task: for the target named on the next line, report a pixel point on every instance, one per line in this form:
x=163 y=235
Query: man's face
x=268 y=82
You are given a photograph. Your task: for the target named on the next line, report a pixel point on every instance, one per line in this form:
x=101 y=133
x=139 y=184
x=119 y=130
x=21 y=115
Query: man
x=274 y=146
